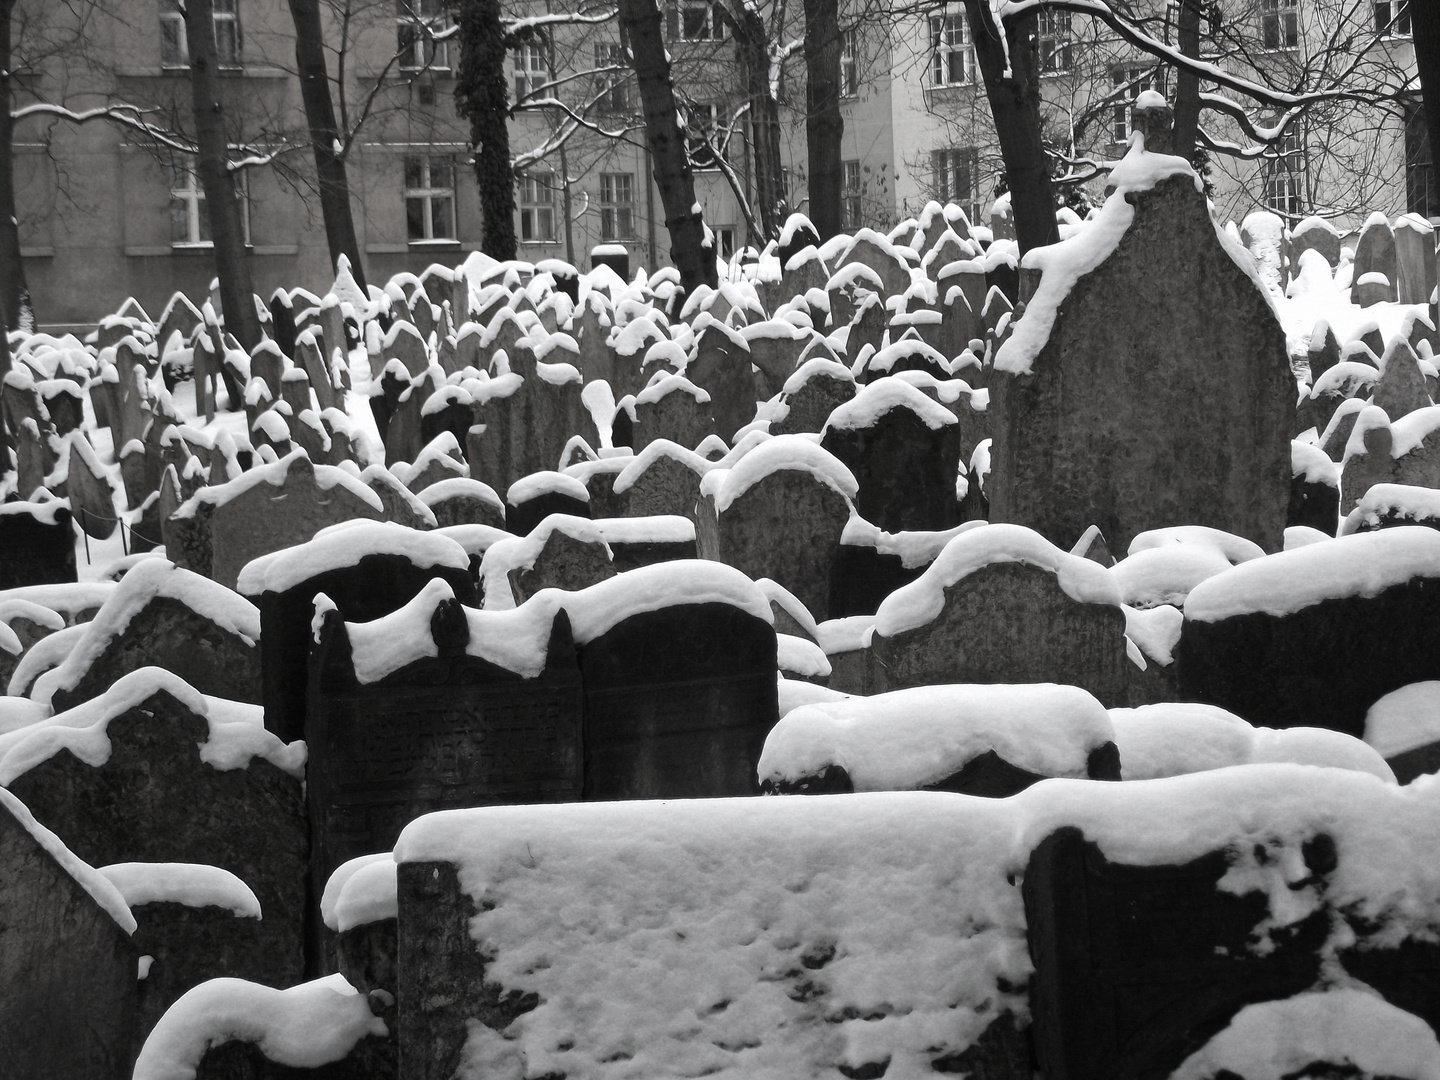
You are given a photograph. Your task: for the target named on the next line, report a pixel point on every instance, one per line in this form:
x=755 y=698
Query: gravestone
x=38 y=542
x=673 y=408
x=572 y=557
x=1085 y=397
x=462 y=501
x=1314 y=489
x=1414 y=259
x=533 y=499
x=1375 y=254
x=815 y=390
x=162 y=795
x=664 y=479
x=721 y=367
x=69 y=1006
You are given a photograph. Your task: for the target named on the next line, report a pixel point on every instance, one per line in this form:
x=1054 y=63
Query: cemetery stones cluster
x=420 y=731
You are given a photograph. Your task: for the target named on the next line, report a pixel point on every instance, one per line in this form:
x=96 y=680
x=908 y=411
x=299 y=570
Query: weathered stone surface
x=1009 y=622
x=39 y=544
x=69 y=1004
x=721 y=367
x=1116 y=426
x=668 y=483
x=565 y=562
x=1414 y=259
x=1375 y=254
x=677 y=410
x=811 y=404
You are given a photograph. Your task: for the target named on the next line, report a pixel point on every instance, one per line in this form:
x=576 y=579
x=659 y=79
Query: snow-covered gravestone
x=1414 y=259
x=1147 y=382
x=436 y=706
x=1375 y=254
x=562 y=552
x=974 y=740
x=66 y=959
x=366 y=568
x=533 y=498
x=673 y=408
x=1379 y=452
x=722 y=369
x=870 y=564
x=222 y=527
x=903 y=448
x=816 y=389
x=463 y=501
x=1000 y=604
x=162 y=616
x=153 y=771
x=1156 y=912
x=526 y=419
x=39 y=544
x=664 y=478
x=779 y=513
x=1314 y=489
x=1315 y=636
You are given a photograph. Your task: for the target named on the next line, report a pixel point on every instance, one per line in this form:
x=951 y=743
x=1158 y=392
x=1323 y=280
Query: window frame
x=946 y=169
x=950 y=42
x=415 y=30
x=617 y=216
x=192 y=194
x=175 y=41
x=528 y=76
x=1055 y=40
x=710 y=28
x=425 y=193
x=849 y=64
x=614 y=90
x=1395 y=22
x=851 y=191
x=1286 y=166
x=1279 y=25
x=535 y=199
x=1142 y=75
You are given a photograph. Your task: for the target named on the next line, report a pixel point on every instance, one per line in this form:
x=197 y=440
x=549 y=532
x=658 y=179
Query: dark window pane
x=440 y=219
x=415 y=219
x=412 y=172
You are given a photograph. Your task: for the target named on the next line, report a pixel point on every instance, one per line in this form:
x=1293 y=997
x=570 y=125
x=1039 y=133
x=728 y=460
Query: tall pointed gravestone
x=1147 y=383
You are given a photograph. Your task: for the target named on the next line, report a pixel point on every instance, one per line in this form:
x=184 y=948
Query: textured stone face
x=36 y=553
x=1012 y=623
x=906 y=471
x=1162 y=396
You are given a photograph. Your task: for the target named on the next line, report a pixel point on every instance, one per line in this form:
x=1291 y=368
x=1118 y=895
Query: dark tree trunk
x=692 y=256
x=481 y=96
x=752 y=43
x=14 y=294
x=1187 y=84
x=227 y=228
x=325 y=137
x=1015 y=106
x=823 y=123
x=1425 y=32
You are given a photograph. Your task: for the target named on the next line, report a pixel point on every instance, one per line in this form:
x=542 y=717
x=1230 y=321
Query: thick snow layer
x=844 y=635
x=458 y=486
x=1298 y=536
x=794 y=693
x=100 y=888
x=1313 y=465
x=1166 y=574
x=651 y=529
x=784 y=453
x=237 y=730
x=68 y=598
x=20 y=712
x=1343 y=1025
x=338 y=878
x=910 y=738
x=1176 y=738
x=545 y=483
x=368 y=895
x=326 y=477
x=344 y=546
x=817 y=367
x=636 y=466
x=1155 y=631
x=876 y=399
x=303 y=1027
x=664 y=384
x=1393 y=501
x=146 y=581
x=1404 y=719
x=1237 y=549
x=516 y=639
x=47 y=653
x=913 y=606
x=192 y=884
x=801 y=657
x=1364 y=564
x=915 y=549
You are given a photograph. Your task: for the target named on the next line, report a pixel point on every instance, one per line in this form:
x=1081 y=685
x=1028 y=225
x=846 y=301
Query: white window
x=957 y=178
x=416 y=24
x=1392 y=18
x=532 y=69
x=429 y=197
x=850 y=196
x=189 y=216
x=537 y=207
x=1285 y=171
x=1283 y=194
x=694 y=20
x=952 y=57
x=617 y=206
x=1054 y=41
x=174 y=46
x=849 y=63
x=1280 y=23
x=1127 y=84
x=614 y=93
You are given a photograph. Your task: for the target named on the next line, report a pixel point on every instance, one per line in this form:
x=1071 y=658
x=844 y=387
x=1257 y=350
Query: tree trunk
x=482 y=97
x=227 y=228
x=823 y=123
x=752 y=43
x=1425 y=32
x=1187 y=84
x=14 y=294
x=1015 y=106
x=325 y=137
x=692 y=255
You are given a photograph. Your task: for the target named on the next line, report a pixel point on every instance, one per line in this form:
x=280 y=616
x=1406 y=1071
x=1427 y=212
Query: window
x=1285 y=171
x=952 y=57
x=727 y=241
x=1422 y=192
x=1282 y=194
x=694 y=20
x=850 y=196
x=537 y=209
x=1127 y=84
x=617 y=209
x=417 y=22
x=174 y=46
x=429 y=198
x=1280 y=23
x=532 y=70
x=957 y=178
x=1392 y=18
x=701 y=134
x=1054 y=41
x=189 y=219
x=614 y=93
x=849 y=63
